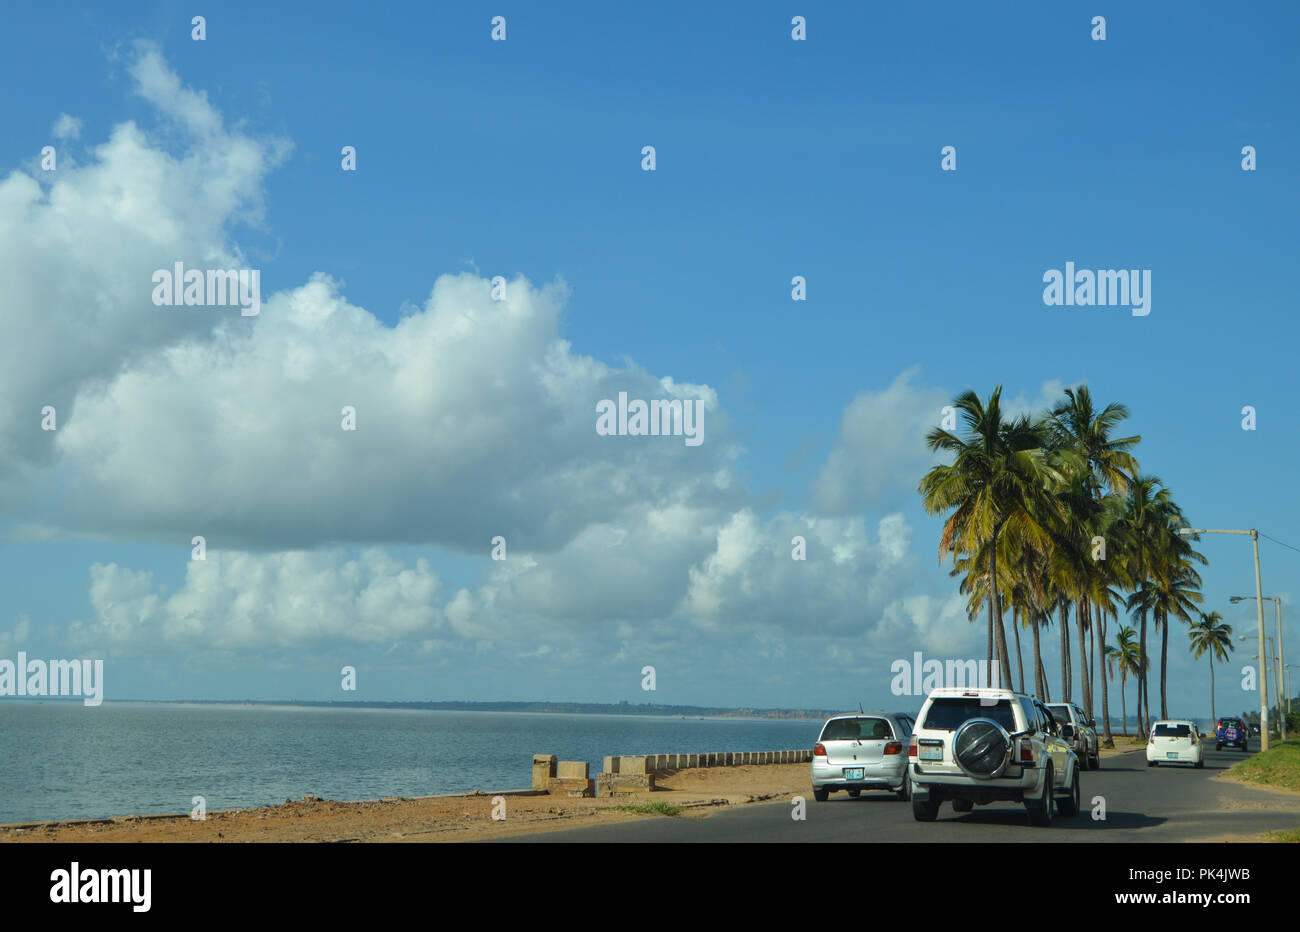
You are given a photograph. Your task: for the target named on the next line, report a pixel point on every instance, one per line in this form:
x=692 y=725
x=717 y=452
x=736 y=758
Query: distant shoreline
x=564 y=708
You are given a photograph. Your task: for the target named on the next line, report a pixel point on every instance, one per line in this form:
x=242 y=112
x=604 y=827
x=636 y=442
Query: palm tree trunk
x=1213 y=716
x=1105 y=686
x=1038 y=663
x=1020 y=664
x=1164 y=666
x=989 y=659
x=1063 y=615
x=995 y=614
x=1081 y=616
x=1093 y=615
x=1047 y=687
x=1123 y=706
x=1141 y=673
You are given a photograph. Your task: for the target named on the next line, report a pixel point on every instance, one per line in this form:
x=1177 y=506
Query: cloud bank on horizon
x=474 y=419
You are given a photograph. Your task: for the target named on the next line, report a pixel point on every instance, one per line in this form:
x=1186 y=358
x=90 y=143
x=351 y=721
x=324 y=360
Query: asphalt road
x=1160 y=804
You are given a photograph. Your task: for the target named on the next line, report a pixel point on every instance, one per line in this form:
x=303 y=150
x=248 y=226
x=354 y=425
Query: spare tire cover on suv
x=981 y=748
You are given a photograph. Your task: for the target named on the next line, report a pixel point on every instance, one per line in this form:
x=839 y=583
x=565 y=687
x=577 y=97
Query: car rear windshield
x=1061 y=713
x=1173 y=731
x=857 y=729
x=948 y=714
x=1230 y=723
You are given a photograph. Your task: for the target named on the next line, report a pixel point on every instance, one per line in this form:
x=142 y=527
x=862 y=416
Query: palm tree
x=1211 y=636
x=1075 y=424
x=1168 y=596
x=996 y=477
x=1128 y=657
x=1144 y=517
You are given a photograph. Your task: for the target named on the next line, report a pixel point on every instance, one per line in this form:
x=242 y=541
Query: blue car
x=1230 y=732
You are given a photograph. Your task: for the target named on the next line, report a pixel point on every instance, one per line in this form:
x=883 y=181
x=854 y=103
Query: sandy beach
x=698 y=792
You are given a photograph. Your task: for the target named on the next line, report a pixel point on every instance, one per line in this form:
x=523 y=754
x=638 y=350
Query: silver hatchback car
x=860 y=751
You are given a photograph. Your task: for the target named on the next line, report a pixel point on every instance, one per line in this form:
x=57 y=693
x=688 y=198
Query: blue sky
x=522 y=158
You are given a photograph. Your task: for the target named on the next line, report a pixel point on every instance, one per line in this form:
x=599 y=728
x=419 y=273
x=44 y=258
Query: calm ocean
x=62 y=760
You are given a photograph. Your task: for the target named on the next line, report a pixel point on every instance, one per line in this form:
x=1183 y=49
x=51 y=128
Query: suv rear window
x=1173 y=731
x=1061 y=713
x=857 y=729
x=948 y=714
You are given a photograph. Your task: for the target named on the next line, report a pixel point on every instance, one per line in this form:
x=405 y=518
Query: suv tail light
x=819 y=750
x=1026 y=752
x=911 y=748
x=894 y=747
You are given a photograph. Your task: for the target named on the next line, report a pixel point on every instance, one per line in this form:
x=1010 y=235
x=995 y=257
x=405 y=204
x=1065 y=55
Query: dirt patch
x=698 y=792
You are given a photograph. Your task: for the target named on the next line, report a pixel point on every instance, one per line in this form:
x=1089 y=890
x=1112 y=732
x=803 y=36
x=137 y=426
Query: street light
x=1259 y=604
x=1279 y=659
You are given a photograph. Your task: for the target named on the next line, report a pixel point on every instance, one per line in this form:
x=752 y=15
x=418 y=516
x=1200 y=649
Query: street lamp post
x=1259 y=604
x=1279 y=657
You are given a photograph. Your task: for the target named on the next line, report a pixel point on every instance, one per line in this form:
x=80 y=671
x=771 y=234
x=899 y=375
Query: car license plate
x=852 y=773
x=931 y=753
x=1173 y=755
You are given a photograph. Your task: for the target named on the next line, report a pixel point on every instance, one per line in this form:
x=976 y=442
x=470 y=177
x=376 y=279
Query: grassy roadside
x=660 y=808
x=1278 y=767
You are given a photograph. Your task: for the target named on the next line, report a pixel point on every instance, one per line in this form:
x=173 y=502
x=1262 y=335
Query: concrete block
x=543 y=770
x=572 y=788
x=611 y=765
x=622 y=784
x=635 y=764
x=573 y=770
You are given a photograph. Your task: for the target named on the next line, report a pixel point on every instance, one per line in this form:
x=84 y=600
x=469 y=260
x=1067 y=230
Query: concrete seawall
x=637 y=773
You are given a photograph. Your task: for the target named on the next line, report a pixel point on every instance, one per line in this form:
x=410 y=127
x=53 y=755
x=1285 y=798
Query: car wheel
x=1200 y=764
x=905 y=791
x=820 y=793
x=1151 y=763
x=1070 y=804
x=1042 y=810
x=924 y=810
x=962 y=805
x=1095 y=763
x=1218 y=746
x=1245 y=748
x=854 y=794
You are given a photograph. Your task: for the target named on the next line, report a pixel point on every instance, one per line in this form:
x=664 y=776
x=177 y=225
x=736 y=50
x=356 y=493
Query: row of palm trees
x=1050 y=516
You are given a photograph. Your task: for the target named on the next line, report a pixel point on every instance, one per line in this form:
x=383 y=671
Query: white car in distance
x=1175 y=741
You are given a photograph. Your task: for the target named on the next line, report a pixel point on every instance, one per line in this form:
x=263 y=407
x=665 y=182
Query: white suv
x=974 y=746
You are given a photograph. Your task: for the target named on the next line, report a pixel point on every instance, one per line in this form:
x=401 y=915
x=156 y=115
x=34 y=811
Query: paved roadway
x=1160 y=804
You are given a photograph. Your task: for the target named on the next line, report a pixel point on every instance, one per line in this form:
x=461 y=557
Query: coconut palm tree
x=1172 y=588
x=1127 y=656
x=992 y=486
x=1075 y=424
x=1166 y=596
x=1211 y=636
x=1145 y=517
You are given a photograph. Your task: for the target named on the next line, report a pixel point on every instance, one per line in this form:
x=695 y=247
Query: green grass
x=1291 y=835
x=1278 y=766
x=651 y=809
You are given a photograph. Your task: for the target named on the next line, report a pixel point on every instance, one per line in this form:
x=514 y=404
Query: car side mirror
x=1067 y=731
x=1092 y=723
